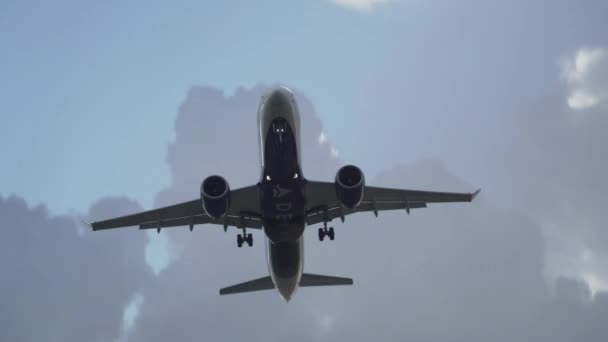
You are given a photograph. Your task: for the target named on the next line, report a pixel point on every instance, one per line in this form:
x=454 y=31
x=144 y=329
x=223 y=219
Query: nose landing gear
x=323 y=232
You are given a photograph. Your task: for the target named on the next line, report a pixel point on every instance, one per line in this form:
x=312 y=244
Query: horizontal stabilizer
x=323 y=280
x=264 y=283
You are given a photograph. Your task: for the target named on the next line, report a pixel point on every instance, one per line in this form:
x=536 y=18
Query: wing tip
x=474 y=194
x=88 y=224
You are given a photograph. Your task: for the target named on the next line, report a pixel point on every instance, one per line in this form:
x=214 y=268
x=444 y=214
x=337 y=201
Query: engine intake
x=349 y=186
x=215 y=195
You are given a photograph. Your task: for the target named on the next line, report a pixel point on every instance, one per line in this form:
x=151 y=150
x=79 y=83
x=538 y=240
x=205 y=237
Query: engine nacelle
x=349 y=186
x=215 y=195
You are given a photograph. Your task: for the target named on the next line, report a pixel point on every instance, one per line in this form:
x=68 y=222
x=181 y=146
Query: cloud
x=334 y=152
x=548 y=165
x=452 y=272
x=322 y=138
x=359 y=5
x=446 y=273
x=557 y=175
x=586 y=74
x=449 y=272
x=130 y=314
x=60 y=283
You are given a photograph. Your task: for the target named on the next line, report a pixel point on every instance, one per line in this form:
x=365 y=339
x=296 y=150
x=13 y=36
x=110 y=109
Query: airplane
x=282 y=203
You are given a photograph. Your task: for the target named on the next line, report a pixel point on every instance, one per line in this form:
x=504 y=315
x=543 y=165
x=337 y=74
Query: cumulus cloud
x=334 y=152
x=556 y=175
x=449 y=272
x=453 y=272
x=60 y=283
x=322 y=138
x=586 y=74
x=359 y=5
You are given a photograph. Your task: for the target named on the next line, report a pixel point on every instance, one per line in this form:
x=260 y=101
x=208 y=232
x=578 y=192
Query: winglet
x=473 y=195
x=87 y=224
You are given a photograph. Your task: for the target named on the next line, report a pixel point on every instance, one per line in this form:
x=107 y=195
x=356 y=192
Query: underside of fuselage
x=283 y=205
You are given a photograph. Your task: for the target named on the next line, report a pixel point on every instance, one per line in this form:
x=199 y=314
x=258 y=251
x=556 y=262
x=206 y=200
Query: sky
x=109 y=108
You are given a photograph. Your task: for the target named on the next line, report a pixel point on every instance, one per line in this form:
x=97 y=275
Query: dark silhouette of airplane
x=283 y=202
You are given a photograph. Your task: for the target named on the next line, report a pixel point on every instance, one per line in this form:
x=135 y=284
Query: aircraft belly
x=283 y=204
x=286 y=265
x=282 y=183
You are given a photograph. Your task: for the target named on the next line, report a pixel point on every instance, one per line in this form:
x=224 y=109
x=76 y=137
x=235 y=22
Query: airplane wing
x=323 y=205
x=243 y=211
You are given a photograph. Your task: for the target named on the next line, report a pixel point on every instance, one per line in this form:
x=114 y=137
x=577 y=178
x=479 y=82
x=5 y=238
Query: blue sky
x=90 y=90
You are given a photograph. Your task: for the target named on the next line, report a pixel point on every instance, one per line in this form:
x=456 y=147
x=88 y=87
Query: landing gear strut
x=241 y=238
x=323 y=232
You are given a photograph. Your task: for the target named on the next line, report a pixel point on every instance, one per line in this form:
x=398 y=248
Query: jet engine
x=349 y=186
x=215 y=195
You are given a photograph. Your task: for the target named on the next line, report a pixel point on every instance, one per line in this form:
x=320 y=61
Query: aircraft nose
x=278 y=103
x=278 y=98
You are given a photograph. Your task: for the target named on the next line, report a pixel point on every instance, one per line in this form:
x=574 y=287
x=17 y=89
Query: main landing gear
x=241 y=238
x=323 y=232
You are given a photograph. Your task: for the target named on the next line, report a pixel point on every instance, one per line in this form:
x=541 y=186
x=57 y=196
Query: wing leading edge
x=243 y=212
x=323 y=205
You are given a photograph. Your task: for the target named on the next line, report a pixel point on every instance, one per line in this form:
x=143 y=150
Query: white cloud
x=586 y=74
x=322 y=138
x=132 y=311
x=334 y=152
x=570 y=256
x=129 y=316
x=158 y=252
x=359 y=5
x=595 y=282
x=580 y=99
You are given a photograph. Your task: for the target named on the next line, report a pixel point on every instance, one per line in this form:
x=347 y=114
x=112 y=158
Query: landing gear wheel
x=321 y=234
x=331 y=233
x=239 y=240
x=250 y=240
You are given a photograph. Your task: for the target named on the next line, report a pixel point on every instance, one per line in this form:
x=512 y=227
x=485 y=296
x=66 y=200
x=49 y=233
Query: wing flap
x=389 y=205
x=177 y=222
x=232 y=221
x=319 y=214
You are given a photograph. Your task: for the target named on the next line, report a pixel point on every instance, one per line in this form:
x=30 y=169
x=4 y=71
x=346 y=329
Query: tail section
x=265 y=283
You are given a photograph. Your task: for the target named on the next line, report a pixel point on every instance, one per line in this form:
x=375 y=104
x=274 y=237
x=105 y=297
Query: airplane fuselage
x=282 y=185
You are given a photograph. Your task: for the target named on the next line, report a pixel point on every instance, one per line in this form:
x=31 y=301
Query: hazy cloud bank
x=63 y=283
x=455 y=272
